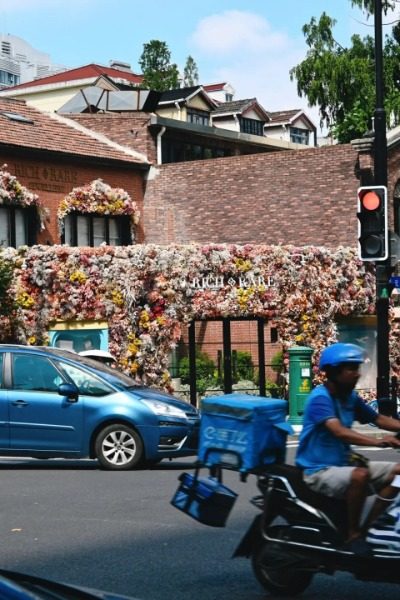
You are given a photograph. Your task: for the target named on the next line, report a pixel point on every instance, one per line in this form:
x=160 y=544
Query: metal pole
x=383 y=270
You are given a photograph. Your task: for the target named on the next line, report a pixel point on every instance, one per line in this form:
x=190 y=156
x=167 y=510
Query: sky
x=251 y=44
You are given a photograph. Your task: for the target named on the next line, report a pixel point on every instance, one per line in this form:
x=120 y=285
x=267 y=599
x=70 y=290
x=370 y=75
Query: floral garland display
x=12 y=192
x=100 y=198
x=147 y=293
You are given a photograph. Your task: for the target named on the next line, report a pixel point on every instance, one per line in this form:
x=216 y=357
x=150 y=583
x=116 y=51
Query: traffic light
x=373 y=234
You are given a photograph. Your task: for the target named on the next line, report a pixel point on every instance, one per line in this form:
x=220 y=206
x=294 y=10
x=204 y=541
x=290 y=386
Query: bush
x=205 y=367
x=243 y=367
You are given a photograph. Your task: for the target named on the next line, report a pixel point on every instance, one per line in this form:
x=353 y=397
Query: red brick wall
x=52 y=180
x=300 y=197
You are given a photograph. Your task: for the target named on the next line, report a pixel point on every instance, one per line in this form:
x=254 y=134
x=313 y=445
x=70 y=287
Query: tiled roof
x=179 y=93
x=85 y=72
x=286 y=117
x=28 y=128
x=283 y=116
x=214 y=87
x=236 y=107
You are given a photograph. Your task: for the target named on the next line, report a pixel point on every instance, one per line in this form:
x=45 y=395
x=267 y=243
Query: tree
x=158 y=72
x=341 y=81
x=190 y=73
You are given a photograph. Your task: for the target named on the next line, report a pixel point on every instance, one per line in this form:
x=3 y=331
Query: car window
x=87 y=383
x=34 y=373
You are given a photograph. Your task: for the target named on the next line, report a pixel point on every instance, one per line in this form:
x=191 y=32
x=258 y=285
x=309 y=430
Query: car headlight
x=163 y=409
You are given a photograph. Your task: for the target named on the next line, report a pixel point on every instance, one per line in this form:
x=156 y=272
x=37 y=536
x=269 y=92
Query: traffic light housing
x=373 y=233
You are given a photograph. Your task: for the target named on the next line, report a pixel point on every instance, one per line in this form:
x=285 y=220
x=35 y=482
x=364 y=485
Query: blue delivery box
x=243 y=432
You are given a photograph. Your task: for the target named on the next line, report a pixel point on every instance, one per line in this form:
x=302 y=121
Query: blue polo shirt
x=318 y=447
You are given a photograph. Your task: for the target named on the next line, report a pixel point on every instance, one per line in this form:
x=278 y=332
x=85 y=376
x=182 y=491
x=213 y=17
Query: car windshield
x=110 y=374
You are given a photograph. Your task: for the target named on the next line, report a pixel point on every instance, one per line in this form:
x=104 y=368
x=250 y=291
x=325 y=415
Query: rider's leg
x=355 y=497
x=384 y=497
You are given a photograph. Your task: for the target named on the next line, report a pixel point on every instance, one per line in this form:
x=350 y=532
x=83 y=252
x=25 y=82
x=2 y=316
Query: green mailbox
x=300 y=381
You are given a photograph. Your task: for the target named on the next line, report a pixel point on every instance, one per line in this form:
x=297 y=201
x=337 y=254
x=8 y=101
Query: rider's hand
x=389 y=441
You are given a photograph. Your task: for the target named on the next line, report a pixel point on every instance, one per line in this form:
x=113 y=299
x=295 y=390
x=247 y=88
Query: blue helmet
x=335 y=355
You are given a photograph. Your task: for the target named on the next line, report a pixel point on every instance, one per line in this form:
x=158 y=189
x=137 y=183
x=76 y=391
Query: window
x=251 y=126
x=1 y=368
x=35 y=373
x=361 y=331
x=228 y=97
x=199 y=117
x=17 y=226
x=181 y=151
x=299 y=136
x=93 y=230
x=87 y=383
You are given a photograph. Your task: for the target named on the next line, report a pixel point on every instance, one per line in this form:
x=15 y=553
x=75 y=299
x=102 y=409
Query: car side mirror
x=69 y=390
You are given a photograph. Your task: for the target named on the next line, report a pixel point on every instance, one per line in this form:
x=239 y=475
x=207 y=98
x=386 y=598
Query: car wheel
x=119 y=448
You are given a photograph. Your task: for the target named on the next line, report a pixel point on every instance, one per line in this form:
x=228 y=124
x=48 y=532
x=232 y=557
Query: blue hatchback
x=54 y=403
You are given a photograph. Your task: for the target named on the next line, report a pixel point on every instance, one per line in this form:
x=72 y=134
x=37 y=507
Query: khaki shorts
x=334 y=481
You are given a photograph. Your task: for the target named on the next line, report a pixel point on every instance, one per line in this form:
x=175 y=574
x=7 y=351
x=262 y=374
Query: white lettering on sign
x=216 y=282
x=229 y=436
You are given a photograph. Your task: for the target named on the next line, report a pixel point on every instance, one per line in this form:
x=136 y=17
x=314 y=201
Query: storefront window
x=94 y=230
x=362 y=331
x=15 y=227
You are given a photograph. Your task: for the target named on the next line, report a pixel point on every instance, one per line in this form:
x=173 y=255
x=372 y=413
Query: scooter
x=300 y=533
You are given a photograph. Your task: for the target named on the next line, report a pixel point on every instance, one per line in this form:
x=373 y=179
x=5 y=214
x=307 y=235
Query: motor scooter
x=299 y=533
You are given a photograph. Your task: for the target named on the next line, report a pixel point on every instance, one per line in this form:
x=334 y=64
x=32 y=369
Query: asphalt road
x=117 y=531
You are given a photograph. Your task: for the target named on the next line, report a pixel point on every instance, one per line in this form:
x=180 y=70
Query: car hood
x=145 y=393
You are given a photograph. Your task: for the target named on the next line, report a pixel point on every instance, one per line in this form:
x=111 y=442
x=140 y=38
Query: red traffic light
x=372 y=214
x=370 y=200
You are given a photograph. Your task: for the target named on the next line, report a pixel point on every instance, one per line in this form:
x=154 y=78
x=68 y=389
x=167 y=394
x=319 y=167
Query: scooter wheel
x=276 y=574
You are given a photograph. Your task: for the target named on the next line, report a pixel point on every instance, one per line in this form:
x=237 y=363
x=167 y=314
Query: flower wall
x=12 y=192
x=147 y=293
x=98 y=198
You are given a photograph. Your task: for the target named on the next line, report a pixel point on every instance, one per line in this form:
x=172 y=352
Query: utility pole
x=383 y=269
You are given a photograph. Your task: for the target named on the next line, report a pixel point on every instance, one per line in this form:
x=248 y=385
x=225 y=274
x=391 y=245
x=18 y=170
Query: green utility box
x=300 y=381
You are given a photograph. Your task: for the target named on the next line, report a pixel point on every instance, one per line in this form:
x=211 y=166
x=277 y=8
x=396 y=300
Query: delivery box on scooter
x=243 y=432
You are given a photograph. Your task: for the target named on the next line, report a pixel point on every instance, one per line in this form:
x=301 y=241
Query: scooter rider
x=324 y=451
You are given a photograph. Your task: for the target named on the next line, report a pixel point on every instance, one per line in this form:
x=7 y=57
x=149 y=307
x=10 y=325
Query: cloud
x=253 y=57
x=235 y=31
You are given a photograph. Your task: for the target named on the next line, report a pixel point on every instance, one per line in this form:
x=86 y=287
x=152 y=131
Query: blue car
x=18 y=586
x=57 y=404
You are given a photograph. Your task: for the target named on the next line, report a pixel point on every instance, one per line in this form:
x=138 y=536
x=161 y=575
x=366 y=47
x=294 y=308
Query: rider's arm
x=387 y=423
x=354 y=437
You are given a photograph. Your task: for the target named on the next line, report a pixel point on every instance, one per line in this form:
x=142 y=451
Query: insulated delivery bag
x=243 y=432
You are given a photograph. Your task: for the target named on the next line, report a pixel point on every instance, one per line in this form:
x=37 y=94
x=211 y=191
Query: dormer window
x=198 y=117
x=299 y=136
x=251 y=126
x=228 y=97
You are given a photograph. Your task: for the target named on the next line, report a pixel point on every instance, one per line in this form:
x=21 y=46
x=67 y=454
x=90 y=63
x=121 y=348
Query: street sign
x=395 y=281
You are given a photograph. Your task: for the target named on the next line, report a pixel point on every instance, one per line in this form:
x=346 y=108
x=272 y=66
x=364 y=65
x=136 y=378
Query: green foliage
x=190 y=73
x=7 y=304
x=369 y=5
x=205 y=367
x=277 y=362
x=159 y=73
x=243 y=367
x=341 y=81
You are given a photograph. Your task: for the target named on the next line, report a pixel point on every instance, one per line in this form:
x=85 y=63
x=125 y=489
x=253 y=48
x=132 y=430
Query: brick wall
x=300 y=197
x=124 y=129
x=52 y=180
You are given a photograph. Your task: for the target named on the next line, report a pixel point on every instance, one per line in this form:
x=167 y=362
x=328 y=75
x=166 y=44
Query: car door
x=40 y=418
x=4 y=426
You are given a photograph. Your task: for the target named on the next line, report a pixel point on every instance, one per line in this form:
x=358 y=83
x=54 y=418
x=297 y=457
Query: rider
x=324 y=446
